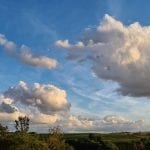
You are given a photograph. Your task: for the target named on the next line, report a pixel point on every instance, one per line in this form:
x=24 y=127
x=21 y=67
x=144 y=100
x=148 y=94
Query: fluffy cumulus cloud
x=25 y=56
x=43 y=103
x=47 y=98
x=118 y=52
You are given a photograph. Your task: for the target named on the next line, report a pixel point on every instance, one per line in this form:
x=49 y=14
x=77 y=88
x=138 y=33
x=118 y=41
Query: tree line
x=22 y=139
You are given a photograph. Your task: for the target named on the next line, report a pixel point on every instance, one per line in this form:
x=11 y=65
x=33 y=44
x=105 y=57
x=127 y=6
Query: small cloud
x=37 y=61
x=9 y=46
x=62 y=44
x=66 y=44
x=25 y=56
x=113 y=119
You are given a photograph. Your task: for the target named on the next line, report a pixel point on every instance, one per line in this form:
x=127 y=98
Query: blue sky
x=39 y=25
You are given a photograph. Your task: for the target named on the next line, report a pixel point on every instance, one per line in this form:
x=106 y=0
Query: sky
x=82 y=65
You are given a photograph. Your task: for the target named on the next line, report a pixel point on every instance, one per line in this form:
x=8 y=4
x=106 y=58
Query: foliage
x=108 y=145
x=19 y=141
x=56 y=141
x=95 y=137
x=22 y=124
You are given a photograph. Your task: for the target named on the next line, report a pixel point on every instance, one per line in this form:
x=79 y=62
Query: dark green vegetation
x=56 y=140
x=111 y=141
x=22 y=140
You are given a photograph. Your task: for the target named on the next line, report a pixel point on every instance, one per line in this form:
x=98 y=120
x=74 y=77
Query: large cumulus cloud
x=47 y=98
x=118 y=52
x=25 y=55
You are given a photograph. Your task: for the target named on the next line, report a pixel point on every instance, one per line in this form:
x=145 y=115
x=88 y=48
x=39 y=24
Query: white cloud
x=8 y=45
x=62 y=44
x=112 y=119
x=42 y=103
x=108 y=123
x=119 y=53
x=78 y=123
x=25 y=55
x=47 y=99
x=4 y=116
x=66 y=44
x=44 y=118
x=118 y=123
x=48 y=104
x=38 y=61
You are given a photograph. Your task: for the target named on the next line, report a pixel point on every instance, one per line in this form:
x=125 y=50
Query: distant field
x=124 y=141
x=76 y=141
x=109 y=136
x=114 y=137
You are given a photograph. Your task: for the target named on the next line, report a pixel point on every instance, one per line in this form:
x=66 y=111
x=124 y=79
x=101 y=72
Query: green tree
x=26 y=141
x=22 y=124
x=56 y=140
x=95 y=137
